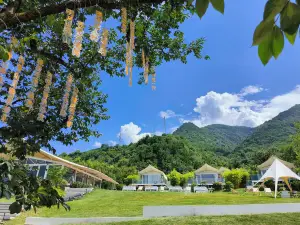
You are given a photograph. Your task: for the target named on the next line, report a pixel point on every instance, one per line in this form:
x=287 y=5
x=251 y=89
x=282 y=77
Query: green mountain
x=268 y=138
x=165 y=152
x=221 y=139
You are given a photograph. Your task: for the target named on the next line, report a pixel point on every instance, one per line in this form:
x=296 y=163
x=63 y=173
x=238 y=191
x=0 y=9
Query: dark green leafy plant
x=29 y=191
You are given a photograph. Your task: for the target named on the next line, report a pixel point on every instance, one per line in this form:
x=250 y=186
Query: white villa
x=208 y=175
x=152 y=176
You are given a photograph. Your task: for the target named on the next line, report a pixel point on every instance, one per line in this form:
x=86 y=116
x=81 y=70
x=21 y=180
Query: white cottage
x=152 y=176
x=206 y=175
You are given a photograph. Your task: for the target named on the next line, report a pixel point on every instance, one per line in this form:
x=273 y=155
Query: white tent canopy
x=279 y=171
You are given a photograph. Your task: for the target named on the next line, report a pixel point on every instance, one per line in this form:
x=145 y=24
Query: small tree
x=236 y=176
x=184 y=178
x=56 y=175
x=130 y=179
x=174 y=177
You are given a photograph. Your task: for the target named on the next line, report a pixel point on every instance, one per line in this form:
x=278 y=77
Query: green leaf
x=201 y=7
x=262 y=31
x=189 y=2
x=273 y=7
x=3 y=53
x=298 y=2
x=265 y=50
x=291 y=37
x=219 y=5
x=290 y=18
x=277 y=42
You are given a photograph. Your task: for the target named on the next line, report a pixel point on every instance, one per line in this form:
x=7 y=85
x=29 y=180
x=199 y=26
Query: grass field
x=101 y=203
x=269 y=219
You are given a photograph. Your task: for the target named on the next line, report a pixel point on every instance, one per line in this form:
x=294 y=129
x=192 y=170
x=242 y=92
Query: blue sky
x=204 y=92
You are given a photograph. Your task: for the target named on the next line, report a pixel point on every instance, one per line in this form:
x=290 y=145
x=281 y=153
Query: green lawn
x=101 y=203
x=268 y=219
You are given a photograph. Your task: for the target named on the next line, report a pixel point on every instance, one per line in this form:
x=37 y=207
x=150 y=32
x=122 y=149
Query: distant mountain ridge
x=245 y=145
x=219 y=138
x=270 y=136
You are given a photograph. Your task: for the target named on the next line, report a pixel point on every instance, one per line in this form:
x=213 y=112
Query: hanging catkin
x=124 y=20
x=34 y=83
x=127 y=57
x=78 y=39
x=72 y=107
x=154 y=81
x=132 y=33
x=12 y=89
x=65 y=104
x=43 y=104
x=94 y=36
x=104 y=42
x=67 y=31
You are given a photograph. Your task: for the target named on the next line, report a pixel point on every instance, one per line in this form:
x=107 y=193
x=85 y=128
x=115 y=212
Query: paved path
x=163 y=211
x=215 y=210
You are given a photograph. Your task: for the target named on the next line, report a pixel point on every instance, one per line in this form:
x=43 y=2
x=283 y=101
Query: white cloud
x=112 y=143
x=97 y=144
x=167 y=114
x=234 y=109
x=251 y=89
x=158 y=133
x=131 y=133
x=172 y=129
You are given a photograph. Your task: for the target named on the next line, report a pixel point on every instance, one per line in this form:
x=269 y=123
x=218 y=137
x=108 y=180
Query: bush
x=295 y=184
x=228 y=186
x=119 y=187
x=237 y=177
x=174 y=177
x=193 y=186
x=79 y=185
x=270 y=184
x=217 y=186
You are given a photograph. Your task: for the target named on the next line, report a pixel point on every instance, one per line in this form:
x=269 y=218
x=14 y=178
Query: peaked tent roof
x=206 y=168
x=152 y=169
x=269 y=162
x=276 y=171
x=79 y=168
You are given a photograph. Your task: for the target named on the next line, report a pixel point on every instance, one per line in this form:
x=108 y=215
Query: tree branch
x=54 y=59
x=12 y=19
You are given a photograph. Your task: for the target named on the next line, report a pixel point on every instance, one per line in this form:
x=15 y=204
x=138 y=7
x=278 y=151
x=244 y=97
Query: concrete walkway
x=219 y=210
x=168 y=211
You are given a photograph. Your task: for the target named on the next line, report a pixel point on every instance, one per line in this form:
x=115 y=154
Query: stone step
x=4 y=211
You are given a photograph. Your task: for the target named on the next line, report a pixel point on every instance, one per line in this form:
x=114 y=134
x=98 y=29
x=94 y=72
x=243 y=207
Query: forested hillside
x=221 y=139
x=268 y=138
x=165 y=152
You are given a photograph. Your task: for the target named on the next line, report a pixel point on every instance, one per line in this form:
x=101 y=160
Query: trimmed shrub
x=228 y=186
x=79 y=185
x=217 y=186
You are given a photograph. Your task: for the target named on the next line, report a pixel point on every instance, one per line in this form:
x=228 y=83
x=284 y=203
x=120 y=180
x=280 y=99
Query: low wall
x=164 y=211
x=59 y=221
